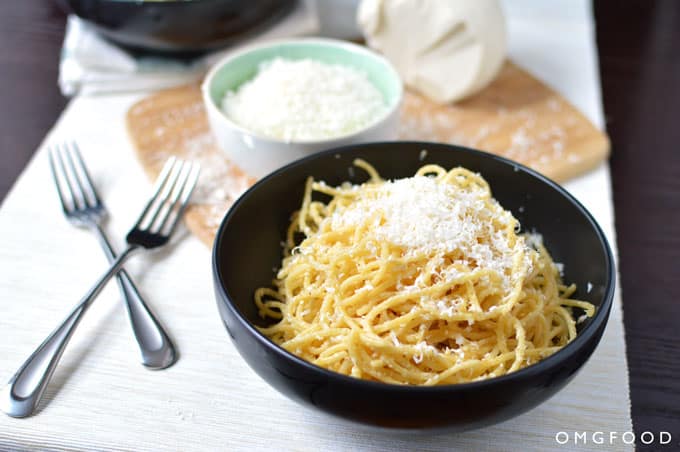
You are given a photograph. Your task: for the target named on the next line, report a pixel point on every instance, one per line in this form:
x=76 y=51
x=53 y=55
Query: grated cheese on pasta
x=427 y=217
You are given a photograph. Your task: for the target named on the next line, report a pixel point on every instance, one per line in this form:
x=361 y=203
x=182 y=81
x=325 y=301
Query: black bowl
x=179 y=26
x=247 y=248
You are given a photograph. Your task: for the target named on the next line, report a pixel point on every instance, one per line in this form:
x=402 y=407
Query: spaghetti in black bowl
x=399 y=348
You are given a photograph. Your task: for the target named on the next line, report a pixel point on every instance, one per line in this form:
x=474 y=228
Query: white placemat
x=101 y=398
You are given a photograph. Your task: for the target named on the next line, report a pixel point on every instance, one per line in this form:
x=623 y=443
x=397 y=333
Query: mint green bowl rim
x=393 y=93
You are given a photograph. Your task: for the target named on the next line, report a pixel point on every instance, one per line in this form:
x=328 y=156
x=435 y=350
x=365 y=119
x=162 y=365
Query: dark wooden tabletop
x=639 y=48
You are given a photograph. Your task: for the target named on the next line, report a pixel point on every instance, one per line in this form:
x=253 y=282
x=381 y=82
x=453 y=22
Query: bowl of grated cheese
x=405 y=284
x=273 y=103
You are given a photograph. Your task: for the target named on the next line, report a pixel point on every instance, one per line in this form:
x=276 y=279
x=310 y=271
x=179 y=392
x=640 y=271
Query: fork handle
x=23 y=392
x=158 y=351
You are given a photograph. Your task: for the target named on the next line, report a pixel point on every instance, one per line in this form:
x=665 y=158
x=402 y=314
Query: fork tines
x=73 y=182
x=172 y=190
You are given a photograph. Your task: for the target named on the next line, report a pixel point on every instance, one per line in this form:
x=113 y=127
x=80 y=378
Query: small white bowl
x=258 y=155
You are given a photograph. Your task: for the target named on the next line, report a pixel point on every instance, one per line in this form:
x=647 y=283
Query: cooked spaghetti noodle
x=422 y=281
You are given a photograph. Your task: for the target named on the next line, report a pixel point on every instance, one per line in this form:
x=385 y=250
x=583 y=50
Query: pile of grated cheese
x=305 y=100
x=426 y=217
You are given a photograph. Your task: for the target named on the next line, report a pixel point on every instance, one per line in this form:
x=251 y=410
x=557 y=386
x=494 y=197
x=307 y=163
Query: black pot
x=247 y=247
x=179 y=26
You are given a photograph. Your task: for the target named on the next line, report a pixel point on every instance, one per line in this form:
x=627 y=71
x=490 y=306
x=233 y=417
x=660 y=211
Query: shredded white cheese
x=305 y=100
x=424 y=216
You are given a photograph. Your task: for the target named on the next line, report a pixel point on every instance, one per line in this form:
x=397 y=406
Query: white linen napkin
x=92 y=65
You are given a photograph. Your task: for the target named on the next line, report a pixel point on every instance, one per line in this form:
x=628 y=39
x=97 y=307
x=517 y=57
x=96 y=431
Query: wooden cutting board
x=517 y=116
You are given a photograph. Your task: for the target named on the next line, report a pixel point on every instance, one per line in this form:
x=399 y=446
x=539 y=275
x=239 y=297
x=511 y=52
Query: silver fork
x=158 y=220
x=83 y=208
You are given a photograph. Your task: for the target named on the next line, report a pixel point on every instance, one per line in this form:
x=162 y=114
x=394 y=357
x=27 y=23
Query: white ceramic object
x=338 y=18
x=259 y=155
